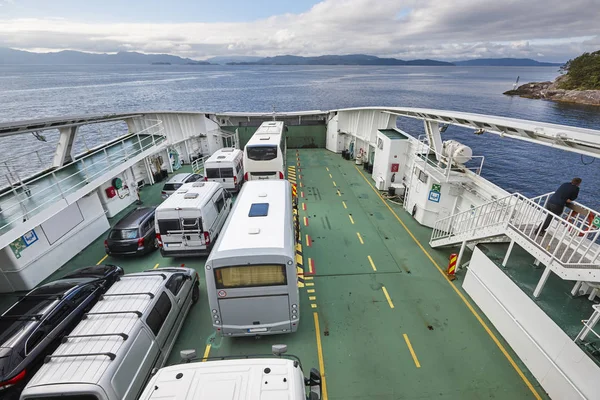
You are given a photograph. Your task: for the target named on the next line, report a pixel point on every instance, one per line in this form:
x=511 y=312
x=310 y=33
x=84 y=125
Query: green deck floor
x=364 y=351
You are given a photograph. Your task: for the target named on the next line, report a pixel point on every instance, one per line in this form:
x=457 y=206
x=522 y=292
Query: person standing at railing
x=565 y=194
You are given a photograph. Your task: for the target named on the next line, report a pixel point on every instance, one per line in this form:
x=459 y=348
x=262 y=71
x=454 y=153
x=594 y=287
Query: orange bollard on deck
x=452 y=266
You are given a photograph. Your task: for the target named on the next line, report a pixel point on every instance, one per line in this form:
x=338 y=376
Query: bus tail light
x=206 y=238
x=159 y=240
x=280 y=175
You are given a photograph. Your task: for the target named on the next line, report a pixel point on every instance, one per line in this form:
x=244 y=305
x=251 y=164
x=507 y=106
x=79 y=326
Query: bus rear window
x=250 y=276
x=262 y=153
x=166 y=225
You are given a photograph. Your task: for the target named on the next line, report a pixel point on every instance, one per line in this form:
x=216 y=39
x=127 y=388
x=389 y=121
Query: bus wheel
x=195 y=294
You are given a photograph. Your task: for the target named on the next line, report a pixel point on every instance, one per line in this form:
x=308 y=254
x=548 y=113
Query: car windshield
x=171 y=187
x=119 y=234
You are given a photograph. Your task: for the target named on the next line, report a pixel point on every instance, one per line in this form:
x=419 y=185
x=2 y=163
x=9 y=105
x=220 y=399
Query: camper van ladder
x=151 y=295
x=112 y=356
x=66 y=338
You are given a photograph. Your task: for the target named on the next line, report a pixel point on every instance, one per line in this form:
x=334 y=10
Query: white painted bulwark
x=334 y=141
x=25 y=268
x=561 y=367
x=124 y=197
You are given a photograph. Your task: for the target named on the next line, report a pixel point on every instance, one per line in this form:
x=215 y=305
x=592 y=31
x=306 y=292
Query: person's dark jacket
x=565 y=191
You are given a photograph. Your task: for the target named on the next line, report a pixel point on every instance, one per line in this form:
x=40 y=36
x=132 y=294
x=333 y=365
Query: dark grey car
x=133 y=234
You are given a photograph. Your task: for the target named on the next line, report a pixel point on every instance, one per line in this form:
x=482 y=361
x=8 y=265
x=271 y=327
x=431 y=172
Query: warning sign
x=222 y=293
x=434 y=196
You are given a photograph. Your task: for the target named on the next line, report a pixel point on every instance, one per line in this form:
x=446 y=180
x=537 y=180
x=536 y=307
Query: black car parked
x=133 y=234
x=32 y=328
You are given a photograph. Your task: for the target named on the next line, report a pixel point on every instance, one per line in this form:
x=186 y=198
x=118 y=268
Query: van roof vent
x=182 y=191
x=262 y=194
x=253 y=231
x=221 y=157
x=197 y=184
x=227 y=150
x=190 y=195
x=265 y=138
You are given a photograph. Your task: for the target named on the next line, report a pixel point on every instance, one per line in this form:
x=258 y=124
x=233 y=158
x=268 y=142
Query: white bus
x=251 y=274
x=264 y=154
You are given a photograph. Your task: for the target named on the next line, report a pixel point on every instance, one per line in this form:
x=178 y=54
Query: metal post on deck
x=58 y=185
x=589 y=324
x=542 y=282
x=461 y=252
x=510 y=247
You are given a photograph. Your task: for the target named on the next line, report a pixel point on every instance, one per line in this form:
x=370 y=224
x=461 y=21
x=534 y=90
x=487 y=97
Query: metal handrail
x=14 y=198
x=525 y=215
x=198 y=165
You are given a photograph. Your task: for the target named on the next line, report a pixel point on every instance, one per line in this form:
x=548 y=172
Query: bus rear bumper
x=272 y=329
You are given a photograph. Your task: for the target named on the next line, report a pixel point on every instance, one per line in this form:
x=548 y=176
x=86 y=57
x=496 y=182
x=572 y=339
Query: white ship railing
x=24 y=199
x=198 y=165
x=442 y=165
x=589 y=325
x=573 y=244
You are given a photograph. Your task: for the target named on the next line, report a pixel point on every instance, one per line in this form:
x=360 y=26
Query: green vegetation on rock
x=582 y=73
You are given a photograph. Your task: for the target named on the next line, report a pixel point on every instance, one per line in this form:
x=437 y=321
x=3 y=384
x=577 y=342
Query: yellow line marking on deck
x=156 y=266
x=307 y=241
x=360 y=238
x=351 y=220
x=308 y=278
x=206 y=352
x=305 y=221
x=320 y=354
x=338 y=192
x=312 y=298
x=330 y=176
x=310 y=284
x=387 y=296
x=344 y=204
x=412 y=351
x=334 y=185
x=310 y=290
x=313 y=305
x=327 y=168
x=372 y=263
x=462 y=297
x=103 y=258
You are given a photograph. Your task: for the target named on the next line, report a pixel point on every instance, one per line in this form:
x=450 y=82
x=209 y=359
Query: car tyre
x=195 y=294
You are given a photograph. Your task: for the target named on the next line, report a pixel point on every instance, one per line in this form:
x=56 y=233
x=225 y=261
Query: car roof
x=179 y=178
x=96 y=271
x=134 y=218
x=59 y=287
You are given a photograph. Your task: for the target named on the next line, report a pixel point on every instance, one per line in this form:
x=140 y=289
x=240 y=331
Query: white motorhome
x=230 y=378
x=226 y=166
x=264 y=154
x=190 y=220
x=126 y=335
x=251 y=276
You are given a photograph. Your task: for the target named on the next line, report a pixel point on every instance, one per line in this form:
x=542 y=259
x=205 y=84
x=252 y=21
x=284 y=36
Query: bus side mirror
x=279 y=349
x=187 y=355
x=315 y=384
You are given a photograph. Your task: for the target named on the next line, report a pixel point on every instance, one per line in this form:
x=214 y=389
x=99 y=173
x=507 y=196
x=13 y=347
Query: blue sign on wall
x=434 y=196
x=30 y=238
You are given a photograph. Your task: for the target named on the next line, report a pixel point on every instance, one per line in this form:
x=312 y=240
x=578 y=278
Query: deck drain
x=430 y=327
x=326 y=333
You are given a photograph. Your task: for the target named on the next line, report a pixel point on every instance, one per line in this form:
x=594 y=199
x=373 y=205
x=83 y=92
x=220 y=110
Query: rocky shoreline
x=550 y=91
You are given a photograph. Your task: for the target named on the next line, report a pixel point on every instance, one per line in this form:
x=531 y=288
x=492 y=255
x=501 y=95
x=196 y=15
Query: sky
x=546 y=30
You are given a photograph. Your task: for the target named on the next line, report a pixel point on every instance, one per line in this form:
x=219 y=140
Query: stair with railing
x=569 y=246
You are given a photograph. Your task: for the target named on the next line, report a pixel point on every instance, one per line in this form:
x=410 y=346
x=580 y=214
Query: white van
x=230 y=378
x=227 y=167
x=189 y=221
x=125 y=336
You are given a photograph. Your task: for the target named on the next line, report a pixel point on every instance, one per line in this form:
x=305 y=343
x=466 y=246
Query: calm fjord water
x=28 y=92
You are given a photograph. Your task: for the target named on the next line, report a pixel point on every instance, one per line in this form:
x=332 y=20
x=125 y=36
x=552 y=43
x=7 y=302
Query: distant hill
x=233 y=59
x=11 y=56
x=351 y=59
x=505 y=62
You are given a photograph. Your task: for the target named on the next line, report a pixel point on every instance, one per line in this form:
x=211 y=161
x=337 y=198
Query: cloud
x=547 y=29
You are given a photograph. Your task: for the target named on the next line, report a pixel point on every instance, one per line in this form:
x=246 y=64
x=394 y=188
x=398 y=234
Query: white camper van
x=189 y=221
x=226 y=166
x=248 y=378
x=125 y=336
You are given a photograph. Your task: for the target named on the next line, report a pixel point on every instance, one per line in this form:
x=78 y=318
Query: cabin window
x=259 y=210
x=262 y=153
x=422 y=176
x=250 y=276
x=168 y=225
x=159 y=313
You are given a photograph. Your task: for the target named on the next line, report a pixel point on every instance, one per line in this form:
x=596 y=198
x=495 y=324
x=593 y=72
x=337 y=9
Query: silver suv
x=177 y=181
